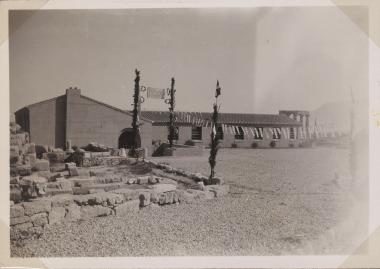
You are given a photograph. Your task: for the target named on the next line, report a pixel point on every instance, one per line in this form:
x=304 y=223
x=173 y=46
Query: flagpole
x=214 y=136
x=171 y=113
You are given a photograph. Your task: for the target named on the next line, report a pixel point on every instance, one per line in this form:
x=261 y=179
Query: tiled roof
x=226 y=118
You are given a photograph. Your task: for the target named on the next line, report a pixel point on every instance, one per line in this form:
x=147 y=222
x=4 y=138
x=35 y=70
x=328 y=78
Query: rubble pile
x=75 y=184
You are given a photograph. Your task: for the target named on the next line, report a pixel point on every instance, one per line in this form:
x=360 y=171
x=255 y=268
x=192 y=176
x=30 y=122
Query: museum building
x=82 y=120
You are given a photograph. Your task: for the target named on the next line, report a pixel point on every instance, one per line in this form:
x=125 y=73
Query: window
x=276 y=133
x=196 y=133
x=258 y=133
x=219 y=132
x=239 y=133
x=292 y=133
x=176 y=132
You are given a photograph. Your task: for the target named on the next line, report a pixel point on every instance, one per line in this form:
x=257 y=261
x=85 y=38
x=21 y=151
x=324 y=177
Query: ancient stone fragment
x=73 y=213
x=33 y=186
x=57 y=215
x=39 y=219
x=62 y=200
x=19 y=220
x=41 y=165
x=24 y=170
x=16 y=211
x=37 y=206
x=160 y=188
x=94 y=211
x=73 y=171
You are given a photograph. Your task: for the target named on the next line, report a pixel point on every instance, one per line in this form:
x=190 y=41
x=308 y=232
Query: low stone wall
x=184 y=151
x=27 y=219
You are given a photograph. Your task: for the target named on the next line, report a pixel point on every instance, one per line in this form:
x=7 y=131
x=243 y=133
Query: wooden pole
x=135 y=118
x=171 y=113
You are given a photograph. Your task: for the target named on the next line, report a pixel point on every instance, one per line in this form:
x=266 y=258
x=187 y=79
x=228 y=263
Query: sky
x=266 y=59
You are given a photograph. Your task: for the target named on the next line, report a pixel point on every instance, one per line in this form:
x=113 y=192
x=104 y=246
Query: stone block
x=88 y=212
x=24 y=170
x=162 y=199
x=68 y=165
x=16 y=211
x=153 y=180
x=64 y=184
x=128 y=194
x=132 y=180
x=142 y=180
x=169 y=197
x=73 y=213
x=81 y=190
x=19 y=220
x=198 y=177
x=55 y=157
x=23 y=227
x=57 y=215
x=33 y=186
x=39 y=219
x=37 y=206
x=154 y=197
x=14 y=180
x=62 y=200
x=15 y=195
x=104 y=198
x=83 y=182
x=160 y=188
x=219 y=190
x=31 y=148
x=14 y=155
x=144 y=198
x=30 y=159
x=18 y=139
x=175 y=197
x=14 y=128
x=127 y=207
x=41 y=165
x=73 y=171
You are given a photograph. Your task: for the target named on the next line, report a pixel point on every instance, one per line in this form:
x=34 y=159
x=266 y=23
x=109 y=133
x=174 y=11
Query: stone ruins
x=49 y=185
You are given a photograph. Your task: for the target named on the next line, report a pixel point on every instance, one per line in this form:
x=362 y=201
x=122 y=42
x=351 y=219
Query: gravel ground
x=282 y=202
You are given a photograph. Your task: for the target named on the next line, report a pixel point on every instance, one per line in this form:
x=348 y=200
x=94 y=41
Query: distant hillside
x=337 y=115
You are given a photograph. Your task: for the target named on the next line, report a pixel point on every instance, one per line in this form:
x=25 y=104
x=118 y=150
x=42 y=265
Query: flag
x=218 y=89
x=155 y=93
x=213 y=132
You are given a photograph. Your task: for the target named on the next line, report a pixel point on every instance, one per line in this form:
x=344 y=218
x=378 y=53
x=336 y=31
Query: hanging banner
x=155 y=93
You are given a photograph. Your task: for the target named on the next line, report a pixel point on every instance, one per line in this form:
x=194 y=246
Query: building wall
x=47 y=122
x=22 y=119
x=89 y=121
x=161 y=133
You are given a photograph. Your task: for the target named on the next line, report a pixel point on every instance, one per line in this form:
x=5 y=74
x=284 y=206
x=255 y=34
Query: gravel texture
x=282 y=202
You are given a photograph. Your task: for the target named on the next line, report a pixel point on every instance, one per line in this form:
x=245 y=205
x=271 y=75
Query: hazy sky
x=266 y=59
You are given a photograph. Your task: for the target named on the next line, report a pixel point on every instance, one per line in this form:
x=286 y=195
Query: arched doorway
x=126 y=139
